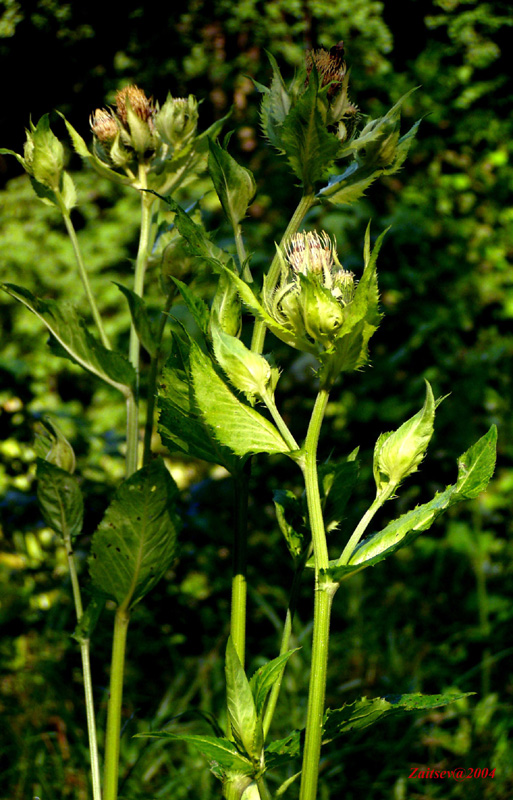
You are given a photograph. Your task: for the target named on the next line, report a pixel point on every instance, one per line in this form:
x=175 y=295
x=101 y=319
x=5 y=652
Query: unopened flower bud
x=59 y=452
x=177 y=120
x=399 y=453
x=249 y=372
x=44 y=154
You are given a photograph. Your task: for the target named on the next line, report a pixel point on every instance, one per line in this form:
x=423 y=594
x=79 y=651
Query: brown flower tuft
x=138 y=102
x=330 y=65
x=103 y=125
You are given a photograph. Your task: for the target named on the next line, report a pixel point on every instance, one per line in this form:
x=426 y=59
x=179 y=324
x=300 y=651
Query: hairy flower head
x=138 y=101
x=103 y=125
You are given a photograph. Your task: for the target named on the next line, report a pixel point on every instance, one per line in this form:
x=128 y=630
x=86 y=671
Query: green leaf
x=365 y=712
x=282 y=751
x=180 y=423
x=233 y=423
x=199 y=310
x=249 y=372
x=136 y=540
x=73 y=340
x=141 y=320
x=60 y=499
x=197 y=239
x=245 y=724
x=222 y=754
x=339 y=480
x=348 y=187
x=265 y=677
x=356 y=716
x=98 y=165
x=275 y=105
x=234 y=184
x=309 y=147
x=290 y=515
x=476 y=466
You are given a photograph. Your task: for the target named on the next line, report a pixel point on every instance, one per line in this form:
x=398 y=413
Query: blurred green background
x=436 y=616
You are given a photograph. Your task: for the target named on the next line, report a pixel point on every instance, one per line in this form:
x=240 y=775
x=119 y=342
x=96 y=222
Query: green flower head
x=313 y=293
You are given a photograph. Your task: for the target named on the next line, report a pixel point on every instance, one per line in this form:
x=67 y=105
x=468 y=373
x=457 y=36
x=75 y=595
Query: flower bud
x=314 y=293
x=104 y=125
x=54 y=447
x=399 y=453
x=177 y=120
x=44 y=154
x=226 y=307
x=249 y=372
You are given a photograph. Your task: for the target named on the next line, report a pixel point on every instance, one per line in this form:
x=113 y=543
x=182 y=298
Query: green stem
x=84 y=277
x=86 y=672
x=360 y=529
x=324 y=592
x=241 y=254
x=112 y=736
x=132 y=448
x=280 y=422
x=152 y=378
x=304 y=205
x=239 y=581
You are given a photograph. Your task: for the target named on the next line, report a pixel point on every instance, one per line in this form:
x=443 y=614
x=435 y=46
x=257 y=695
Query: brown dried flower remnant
x=330 y=65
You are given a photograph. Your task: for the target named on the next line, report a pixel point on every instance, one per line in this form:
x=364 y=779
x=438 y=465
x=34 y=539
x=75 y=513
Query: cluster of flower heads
x=138 y=125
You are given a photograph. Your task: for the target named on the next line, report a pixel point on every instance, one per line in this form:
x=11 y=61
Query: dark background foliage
x=436 y=616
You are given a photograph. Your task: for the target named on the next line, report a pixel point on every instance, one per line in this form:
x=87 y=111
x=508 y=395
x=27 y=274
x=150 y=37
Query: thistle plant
x=219 y=399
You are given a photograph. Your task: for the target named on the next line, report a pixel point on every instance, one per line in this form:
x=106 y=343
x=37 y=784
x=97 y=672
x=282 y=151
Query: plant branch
x=147 y=201
x=84 y=276
x=86 y=672
x=152 y=378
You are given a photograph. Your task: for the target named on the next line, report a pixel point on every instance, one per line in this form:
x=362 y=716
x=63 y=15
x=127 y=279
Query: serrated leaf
x=72 y=339
x=365 y=712
x=199 y=310
x=98 y=165
x=290 y=516
x=234 y=184
x=234 y=424
x=197 y=239
x=141 y=320
x=310 y=148
x=265 y=677
x=282 y=751
x=245 y=724
x=136 y=540
x=60 y=499
x=180 y=423
x=221 y=754
x=476 y=465
x=348 y=187
x=338 y=481
x=475 y=469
